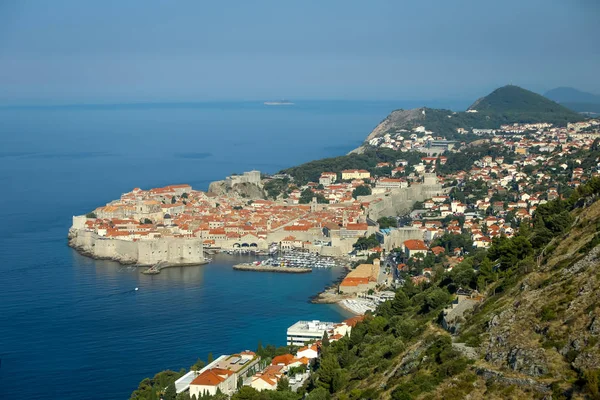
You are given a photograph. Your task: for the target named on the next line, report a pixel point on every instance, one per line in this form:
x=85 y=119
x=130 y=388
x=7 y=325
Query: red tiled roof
x=415 y=244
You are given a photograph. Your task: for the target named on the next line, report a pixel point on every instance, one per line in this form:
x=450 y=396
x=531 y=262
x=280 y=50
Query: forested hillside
x=535 y=334
x=311 y=171
x=506 y=105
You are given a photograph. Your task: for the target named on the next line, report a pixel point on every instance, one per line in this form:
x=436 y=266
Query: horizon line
x=177 y=103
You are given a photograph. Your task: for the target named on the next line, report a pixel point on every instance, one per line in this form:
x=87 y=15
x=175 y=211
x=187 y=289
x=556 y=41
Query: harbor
x=299 y=259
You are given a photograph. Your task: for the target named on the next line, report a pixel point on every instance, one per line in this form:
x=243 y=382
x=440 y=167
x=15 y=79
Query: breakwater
x=267 y=268
x=155 y=269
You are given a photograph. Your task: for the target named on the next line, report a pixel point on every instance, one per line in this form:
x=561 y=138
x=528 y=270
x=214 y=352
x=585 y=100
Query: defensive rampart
x=180 y=251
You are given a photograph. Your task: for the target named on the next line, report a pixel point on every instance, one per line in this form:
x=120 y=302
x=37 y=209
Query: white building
x=391 y=183
x=304 y=331
x=309 y=352
x=213 y=380
x=348 y=174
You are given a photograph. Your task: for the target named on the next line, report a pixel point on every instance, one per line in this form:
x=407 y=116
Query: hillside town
x=414 y=216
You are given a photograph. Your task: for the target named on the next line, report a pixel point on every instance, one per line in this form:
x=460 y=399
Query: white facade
x=309 y=352
x=228 y=386
x=304 y=331
x=261 y=383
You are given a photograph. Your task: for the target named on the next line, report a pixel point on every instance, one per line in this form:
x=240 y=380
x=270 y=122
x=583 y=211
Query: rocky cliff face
x=398 y=119
x=245 y=190
x=547 y=326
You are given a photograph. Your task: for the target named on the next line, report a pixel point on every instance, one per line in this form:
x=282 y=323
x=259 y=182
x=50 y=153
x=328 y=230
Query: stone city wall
x=143 y=252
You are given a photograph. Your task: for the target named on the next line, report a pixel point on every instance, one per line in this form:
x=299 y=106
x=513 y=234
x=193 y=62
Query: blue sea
x=75 y=328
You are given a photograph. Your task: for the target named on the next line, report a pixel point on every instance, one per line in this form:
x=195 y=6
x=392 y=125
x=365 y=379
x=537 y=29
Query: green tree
x=340 y=380
x=436 y=298
x=91 y=215
x=246 y=393
x=369 y=242
x=326 y=372
x=486 y=274
x=170 y=392
x=184 y=396
x=362 y=190
x=198 y=365
x=319 y=394
x=306 y=196
x=283 y=385
x=173 y=200
x=387 y=222
x=210 y=358
x=401 y=303
x=325 y=339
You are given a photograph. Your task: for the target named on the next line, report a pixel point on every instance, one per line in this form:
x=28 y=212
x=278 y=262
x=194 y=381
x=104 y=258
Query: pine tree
x=198 y=365
x=170 y=392
x=283 y=385
x=486 y=274
x=401 y=303
x=325 y=340
x=326 y=371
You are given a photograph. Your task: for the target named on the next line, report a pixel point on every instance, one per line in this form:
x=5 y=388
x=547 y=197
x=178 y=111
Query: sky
x=73 y=51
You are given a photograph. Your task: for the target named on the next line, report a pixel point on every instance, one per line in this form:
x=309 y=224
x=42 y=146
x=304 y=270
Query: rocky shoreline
x=266 y=268
x=86 y=253
x=330 y=294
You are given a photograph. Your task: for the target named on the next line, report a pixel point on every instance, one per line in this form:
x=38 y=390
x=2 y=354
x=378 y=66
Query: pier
x=156 y=268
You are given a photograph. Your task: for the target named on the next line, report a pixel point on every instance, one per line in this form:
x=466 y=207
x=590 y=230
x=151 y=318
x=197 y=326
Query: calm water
x=74 y=327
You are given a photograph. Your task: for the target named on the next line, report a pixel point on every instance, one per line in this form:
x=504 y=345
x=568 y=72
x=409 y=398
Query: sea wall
x=178 y=251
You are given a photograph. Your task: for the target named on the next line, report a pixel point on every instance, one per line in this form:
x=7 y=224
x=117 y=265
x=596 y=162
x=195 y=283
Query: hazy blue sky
x=145 y=50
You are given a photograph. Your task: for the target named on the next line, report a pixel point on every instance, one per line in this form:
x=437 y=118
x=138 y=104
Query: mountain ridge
x=565 y=94
x=575 y=99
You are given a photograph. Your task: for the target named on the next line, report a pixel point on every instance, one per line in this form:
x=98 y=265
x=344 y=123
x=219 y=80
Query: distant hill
x=575 y=99
x=571 y=95
x=520 y=102
x=505 y=105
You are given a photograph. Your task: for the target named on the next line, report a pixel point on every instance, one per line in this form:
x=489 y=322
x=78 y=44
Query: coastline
x=265 y=268
x=343 y=305
x=330 y=295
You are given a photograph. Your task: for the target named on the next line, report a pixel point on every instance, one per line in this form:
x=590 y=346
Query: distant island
x=278 y=103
